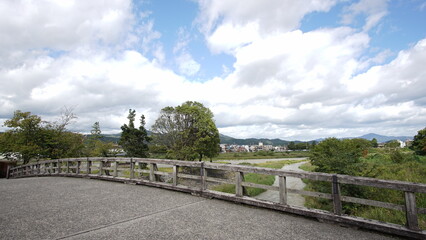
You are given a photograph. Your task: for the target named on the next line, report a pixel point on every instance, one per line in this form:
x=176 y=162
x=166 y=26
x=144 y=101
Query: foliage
x=374 y=143
x=94 y=146
x=32 y=138
x=134 y=140
x=188 y=131
x=392 y=144
x=419 y=142
x=338 y=156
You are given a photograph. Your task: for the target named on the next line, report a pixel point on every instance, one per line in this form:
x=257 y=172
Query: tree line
x=184 y=132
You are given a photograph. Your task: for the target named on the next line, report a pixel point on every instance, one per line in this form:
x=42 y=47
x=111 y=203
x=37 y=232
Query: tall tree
x=134 y=140
x=188 y=131
x=419 y=142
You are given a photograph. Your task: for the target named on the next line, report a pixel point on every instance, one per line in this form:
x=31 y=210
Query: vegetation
x=419 y=142
x=32 y=138
x=187 y=131
x=357 y=158
x=94 y=146
x=134 y=140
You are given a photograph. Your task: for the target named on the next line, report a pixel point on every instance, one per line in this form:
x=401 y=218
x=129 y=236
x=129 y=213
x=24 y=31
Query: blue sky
x=296 y=70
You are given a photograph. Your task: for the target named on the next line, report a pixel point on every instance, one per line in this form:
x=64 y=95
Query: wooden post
x=59 y=166
x=411 y=211
x=68 y=166
x=88 y=170
x=151 y=172
x=282 y=189
x=203 y=178
x=116 y=168
x=38 y=168
x=7 y=173
x=101 y=164
x=77 y=170
x=175 y=175
x=132 y=169
x=239 y=176
x=337 y=204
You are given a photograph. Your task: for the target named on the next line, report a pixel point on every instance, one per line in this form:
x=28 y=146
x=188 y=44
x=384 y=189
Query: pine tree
x=133 y=140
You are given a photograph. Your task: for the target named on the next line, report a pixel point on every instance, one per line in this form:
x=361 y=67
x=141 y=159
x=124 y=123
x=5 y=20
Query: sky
x=294 y=70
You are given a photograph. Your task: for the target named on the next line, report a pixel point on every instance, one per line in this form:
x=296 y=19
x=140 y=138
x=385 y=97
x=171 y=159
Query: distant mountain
x=253 y=141
x=381 y=138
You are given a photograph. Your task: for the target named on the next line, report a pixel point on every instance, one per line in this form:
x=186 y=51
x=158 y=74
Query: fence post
x=59 y=166
x=77 y=170
x=175 y=175
x=88 y=170
x=132 y=169
x=68 y=166
x=7 y=173
x=203 y=173
x=101 y=164
x=116 y=168
x=283 y=189
x=151 y=172
x=337 y=204
x=411 y=211
x=239 y=176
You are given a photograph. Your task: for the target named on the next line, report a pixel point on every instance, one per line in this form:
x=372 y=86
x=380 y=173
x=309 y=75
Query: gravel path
x=292 y=183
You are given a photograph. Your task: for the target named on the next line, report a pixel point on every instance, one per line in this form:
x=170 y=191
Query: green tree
x=419 y=142
x=392 y=144
x=135 y=140
x=95 y=147
x=32 y=138
x=338 y=156
x=374 y=143
x=188 y=131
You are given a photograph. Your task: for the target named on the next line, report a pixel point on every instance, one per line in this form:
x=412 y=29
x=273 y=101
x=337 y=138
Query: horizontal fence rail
x=195 y=177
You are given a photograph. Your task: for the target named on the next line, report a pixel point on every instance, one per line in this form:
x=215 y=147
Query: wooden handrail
x=101 y=168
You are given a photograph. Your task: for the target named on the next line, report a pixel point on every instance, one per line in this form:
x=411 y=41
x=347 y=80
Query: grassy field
x=256 y=178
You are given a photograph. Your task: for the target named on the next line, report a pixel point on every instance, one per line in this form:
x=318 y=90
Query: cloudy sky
x=273 y=68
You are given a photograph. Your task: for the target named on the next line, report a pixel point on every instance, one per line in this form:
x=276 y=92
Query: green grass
x=256 y=178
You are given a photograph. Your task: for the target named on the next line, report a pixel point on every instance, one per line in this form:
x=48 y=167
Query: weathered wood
x=88 y=170
x=175 y=175
x=262 y=186
x=311 y=194
x=411 y=211
x=219 y=180
x=77 y=168
x=337 y=204
x=238 y=186
x=116 y=169
x=101 y=164
x=132 y=169
x=373 y=203
x=151 y=172
x=189 y=176
x=282 y=184
x=58 y=165
x=203 y=178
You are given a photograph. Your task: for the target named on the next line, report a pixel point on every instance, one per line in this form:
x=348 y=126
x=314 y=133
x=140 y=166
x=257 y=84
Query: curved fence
x=199 y=177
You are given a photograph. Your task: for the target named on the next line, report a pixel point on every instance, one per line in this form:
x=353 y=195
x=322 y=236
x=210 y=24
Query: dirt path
x=292 y=183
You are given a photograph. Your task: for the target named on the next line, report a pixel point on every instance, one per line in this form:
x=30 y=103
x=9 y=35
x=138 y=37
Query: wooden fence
x=194 y=177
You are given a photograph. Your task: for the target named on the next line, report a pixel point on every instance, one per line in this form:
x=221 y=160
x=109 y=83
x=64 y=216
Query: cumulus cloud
x=285 y=83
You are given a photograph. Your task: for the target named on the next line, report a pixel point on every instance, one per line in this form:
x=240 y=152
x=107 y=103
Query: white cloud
x=374 y=11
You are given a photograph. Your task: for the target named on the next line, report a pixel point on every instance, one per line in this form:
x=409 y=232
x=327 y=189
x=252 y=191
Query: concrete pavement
x=72 y=208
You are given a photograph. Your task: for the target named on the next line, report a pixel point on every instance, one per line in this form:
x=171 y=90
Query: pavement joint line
x=127 y=220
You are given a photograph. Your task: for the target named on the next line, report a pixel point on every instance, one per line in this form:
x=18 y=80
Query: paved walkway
x=72 y=208
x=291 y=183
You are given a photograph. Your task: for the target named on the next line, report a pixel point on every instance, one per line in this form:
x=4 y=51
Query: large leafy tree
x=135 y=140
x=188 y=131
x=32 y=138
x=419 y=142
x=339 y=156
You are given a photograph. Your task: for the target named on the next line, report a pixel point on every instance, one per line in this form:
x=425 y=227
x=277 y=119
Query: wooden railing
x=197 y=177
